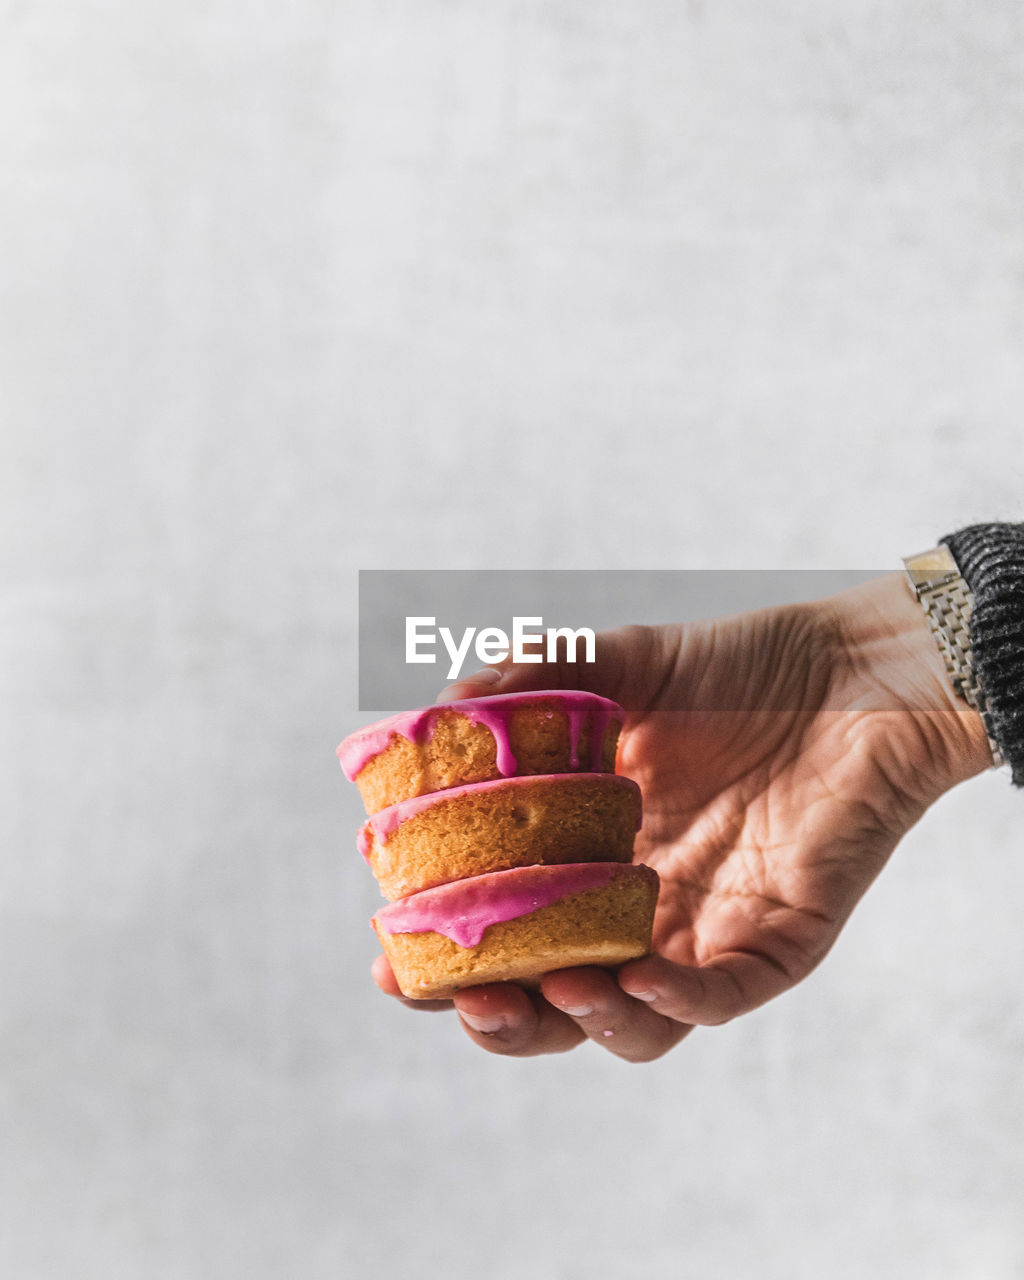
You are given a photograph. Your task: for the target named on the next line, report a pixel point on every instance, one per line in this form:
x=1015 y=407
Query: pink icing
x=493 y=712
x=464 y=909
x=575 y=715
x=386 y=822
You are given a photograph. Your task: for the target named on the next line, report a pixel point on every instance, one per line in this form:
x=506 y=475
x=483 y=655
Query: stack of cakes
x=502 y=838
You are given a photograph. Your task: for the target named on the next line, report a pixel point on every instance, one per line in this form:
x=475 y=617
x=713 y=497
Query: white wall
x=292 y=290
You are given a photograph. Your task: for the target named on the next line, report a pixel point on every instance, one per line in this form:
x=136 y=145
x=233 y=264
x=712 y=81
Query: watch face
x=931 y=568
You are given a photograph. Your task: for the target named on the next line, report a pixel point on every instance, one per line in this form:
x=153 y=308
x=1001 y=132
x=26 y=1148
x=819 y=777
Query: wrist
x=891 y=665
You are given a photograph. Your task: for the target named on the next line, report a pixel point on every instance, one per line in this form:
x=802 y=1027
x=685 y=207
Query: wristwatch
x=947 y=601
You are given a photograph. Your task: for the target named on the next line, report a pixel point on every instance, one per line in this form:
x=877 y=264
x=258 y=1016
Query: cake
x=503 y=838
x=478 y=740
x=492 y=826
x=517 y=925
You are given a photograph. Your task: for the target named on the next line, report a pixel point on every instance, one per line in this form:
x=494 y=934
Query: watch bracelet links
x=947 y=602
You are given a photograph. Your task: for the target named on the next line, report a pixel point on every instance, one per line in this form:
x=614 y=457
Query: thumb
x=629 y=666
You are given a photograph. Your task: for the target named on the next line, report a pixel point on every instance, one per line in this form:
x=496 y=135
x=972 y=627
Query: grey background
x=294 y=290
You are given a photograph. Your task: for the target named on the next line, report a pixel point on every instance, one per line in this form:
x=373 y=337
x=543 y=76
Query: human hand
x=782 y=754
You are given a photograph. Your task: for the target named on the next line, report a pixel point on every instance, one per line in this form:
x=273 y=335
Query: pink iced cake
x=517 y=925
x=480 y=740
x=504 y=838
x=494 y=826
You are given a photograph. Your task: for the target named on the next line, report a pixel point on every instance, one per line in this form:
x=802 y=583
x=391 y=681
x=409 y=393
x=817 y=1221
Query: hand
x=781 y=754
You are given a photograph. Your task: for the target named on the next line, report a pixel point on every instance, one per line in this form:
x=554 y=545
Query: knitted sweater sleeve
x=990 y=558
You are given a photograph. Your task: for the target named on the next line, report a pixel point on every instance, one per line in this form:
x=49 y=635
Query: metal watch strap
x=947 y=602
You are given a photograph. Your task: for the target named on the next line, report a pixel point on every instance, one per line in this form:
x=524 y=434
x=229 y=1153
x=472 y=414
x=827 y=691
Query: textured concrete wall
x=290 y=290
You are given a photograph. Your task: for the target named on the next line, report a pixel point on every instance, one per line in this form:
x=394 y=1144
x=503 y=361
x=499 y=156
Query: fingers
x=704 y=995
x=505 y=1019
x=576 y=1005
x=638 y=1014
x=604 y=1013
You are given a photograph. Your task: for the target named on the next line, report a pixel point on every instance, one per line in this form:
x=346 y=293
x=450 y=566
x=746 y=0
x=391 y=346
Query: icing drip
x=465 y=909
x=575 y=715
x=493 y=712
x=494 y=718
x=386 y=822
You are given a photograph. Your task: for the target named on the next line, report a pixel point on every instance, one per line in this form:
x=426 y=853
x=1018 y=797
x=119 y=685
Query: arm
x=782 y=755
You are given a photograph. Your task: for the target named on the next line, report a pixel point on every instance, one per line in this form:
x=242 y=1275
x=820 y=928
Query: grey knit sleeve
x=990 y=558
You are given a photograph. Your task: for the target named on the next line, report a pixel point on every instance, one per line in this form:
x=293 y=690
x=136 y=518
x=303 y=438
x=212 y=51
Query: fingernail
x=486 y=1026
x=647 y=996
x=456 y=690
x=579 y=1010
